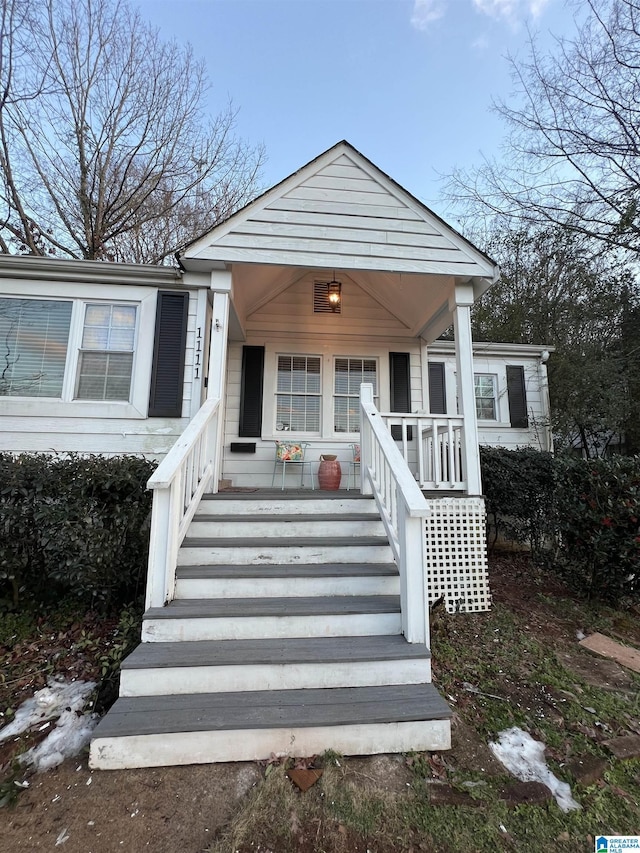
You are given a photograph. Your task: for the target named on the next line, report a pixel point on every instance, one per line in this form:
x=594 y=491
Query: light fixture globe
x=334 y=293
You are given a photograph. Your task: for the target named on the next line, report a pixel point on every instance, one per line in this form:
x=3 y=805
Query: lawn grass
x=520 y=659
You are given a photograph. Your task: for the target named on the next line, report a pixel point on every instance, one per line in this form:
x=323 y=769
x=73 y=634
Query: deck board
x=329 y=650
x=193 y=608
x=293 y=570
x=272 y=709
x=251 y=518
x=284 y=541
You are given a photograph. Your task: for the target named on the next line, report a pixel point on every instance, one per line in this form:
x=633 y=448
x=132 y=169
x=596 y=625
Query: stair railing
x=437 y=454
x=178 y=483
x=403 y=508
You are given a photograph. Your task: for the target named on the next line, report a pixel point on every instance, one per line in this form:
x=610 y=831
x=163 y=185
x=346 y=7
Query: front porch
x=299 y=622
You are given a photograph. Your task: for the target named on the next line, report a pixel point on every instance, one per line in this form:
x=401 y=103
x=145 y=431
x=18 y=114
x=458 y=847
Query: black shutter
x=167 y=372
x=517 y=395
x=399 y=372
x=251 y=392
x=437 y=389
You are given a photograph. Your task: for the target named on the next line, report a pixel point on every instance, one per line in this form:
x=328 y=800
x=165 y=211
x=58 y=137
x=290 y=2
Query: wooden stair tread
x=286 y=494
x=293 y=570
x=327 y=650
x=284 y=541
x=272 y=709
x=193 y=608
x=251 y=518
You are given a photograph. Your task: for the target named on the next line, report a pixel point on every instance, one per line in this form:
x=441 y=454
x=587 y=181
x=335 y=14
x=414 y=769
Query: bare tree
x=572 y=156
x=103 y=126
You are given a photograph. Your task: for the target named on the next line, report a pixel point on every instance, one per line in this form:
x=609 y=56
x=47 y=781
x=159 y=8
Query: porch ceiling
x=420 y=302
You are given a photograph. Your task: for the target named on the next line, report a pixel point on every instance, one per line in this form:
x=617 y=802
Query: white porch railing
x=433 y=447
x=403 y=508
x=178 y=483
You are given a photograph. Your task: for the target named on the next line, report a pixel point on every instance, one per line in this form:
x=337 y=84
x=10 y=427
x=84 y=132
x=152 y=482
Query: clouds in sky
x=425 y=12
x=512 y=12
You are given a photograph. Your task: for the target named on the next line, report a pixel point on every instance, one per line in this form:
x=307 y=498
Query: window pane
x=97 y=315
x=104 y=376
x=109 y=327
x=34 y=335
x=95 y=337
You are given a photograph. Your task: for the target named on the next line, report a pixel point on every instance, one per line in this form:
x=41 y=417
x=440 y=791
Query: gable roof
x=340 y=211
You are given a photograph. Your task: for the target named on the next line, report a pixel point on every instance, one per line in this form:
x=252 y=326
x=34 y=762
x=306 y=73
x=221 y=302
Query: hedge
x=75 y=527
x=579 y=516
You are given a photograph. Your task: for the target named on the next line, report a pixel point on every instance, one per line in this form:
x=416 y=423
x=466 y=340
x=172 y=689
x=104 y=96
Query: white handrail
x=178 y=484
x=403 y=508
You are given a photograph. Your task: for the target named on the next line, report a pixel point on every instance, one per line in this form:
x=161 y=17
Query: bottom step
x=155 y=731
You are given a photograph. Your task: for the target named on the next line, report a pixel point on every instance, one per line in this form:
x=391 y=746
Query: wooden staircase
x=284 y=637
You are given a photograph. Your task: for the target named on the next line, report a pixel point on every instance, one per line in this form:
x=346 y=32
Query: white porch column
x=219 y=335
x=460 y=304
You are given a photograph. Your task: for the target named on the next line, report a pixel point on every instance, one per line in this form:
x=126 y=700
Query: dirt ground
x=180 y=809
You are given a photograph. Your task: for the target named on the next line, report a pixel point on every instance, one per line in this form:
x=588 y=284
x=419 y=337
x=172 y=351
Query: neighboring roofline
x=76 y=270
x=493 y=348
x=342 y=142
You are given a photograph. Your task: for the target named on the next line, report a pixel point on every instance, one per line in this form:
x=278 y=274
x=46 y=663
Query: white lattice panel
x=457 y=554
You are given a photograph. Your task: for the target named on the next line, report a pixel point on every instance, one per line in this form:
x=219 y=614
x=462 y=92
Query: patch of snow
x=524 y=757
x=70 y=736
x=62 y=700
x=47 y=704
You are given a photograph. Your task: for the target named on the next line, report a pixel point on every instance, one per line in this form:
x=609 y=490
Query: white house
x=282 y=620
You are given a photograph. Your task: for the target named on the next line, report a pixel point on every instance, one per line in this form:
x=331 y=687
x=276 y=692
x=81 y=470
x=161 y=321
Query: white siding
x=255 y=470
x=40 y=425
x=247 y=470
x=500 y=433
x=292 y=310
x=109 y=436
x=340 y=211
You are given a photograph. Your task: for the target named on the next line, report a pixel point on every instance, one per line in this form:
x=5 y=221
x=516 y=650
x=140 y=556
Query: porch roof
x=341 y=213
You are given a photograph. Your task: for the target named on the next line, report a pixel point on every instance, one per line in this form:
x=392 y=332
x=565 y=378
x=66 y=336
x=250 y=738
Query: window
x=33 y=338
x=349 y=374
x=486 y=404
x=106 y=355
x=298 y=393
x=66 y=349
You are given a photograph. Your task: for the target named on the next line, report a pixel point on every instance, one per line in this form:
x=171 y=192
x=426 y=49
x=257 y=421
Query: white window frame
x=334 y=395
x=494 y=379
x=332 y=350
x=108 y=350
x=282 y=433
x=143 y=298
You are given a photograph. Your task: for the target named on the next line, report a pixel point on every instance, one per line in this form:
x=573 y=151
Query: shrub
x=597 y=519
x=518 y=487
x=74 y=526
x=581 y=516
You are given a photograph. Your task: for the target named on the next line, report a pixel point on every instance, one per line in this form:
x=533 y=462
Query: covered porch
x=284 y=622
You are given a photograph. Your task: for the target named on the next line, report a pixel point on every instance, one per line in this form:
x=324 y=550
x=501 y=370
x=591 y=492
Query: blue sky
x=407 y=82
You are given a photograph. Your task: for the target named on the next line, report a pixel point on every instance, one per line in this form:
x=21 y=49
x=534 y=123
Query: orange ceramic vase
x=329 y=474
